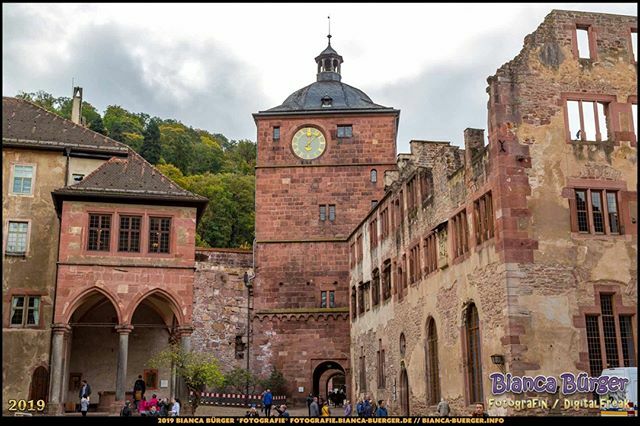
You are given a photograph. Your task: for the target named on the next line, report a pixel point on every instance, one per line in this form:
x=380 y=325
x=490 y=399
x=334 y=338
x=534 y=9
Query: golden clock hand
x=307 y=146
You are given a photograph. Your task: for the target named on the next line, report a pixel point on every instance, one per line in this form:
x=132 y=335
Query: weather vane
x=329 y=35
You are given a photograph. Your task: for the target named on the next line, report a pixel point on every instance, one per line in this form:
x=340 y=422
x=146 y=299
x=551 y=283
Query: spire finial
x=329 y=35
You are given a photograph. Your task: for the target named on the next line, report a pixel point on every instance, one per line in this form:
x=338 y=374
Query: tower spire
x=329 y=35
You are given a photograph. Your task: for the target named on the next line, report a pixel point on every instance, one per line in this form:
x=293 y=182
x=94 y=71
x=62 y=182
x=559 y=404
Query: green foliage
x=237 y=380
x=199 y=370
x=205 y=163
x=151 y=148
x=276 y=383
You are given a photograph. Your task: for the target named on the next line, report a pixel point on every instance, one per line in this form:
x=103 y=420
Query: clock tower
x=321 y=158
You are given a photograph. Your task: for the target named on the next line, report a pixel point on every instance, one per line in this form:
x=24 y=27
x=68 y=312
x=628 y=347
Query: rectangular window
x=425 y=186
x=414 y=264
x=596 y=208
x=25 y=311
x=634 y=118
x=634 y=45
x=159 y=230
x=588 y=120
x=129 y=239
x=323 y=299
x=17 y=238
x=332 y=299
x=430 y=253
x=593 y=345
x=276 y=133
x=373 y=233
x=22 y=179
x=354 y=311
x=612 y=211
x=582 y=35
x=323 y=212
x=359 y=254
x=459 y=234
x=411 y=194
x=352 y=252
x=581 y=208
x=375 y=287
x=483 y=218
x=361 y=298
x=345 y=131
x=332 y=212
x=386 y=279
x=384 y=222
x=626 y=335
x=99 y=232
x=374 y=203
x=609 y=330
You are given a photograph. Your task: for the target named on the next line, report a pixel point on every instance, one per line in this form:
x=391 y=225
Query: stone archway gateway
x=323 y=373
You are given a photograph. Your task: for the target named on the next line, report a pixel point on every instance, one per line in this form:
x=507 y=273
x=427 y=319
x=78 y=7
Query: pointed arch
x=171 y=301
x=86 y=295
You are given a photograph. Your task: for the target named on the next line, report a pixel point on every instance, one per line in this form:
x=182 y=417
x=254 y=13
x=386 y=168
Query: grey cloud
x=103 y=63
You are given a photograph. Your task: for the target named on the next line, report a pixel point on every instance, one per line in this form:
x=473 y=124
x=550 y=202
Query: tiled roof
x=27 y=124
x=130 y=177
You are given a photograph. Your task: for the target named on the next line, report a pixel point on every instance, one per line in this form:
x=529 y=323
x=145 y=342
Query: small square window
x=345 y=131
x=17 y=238
x=22 y=179
x=276 y=133
x=25 y=311
x=332 y=212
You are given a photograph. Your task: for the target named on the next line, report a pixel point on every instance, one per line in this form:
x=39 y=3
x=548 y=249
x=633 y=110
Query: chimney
x=473 y=143
x=76 y=106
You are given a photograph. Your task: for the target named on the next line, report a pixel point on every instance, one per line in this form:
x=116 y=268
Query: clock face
x=308 y=143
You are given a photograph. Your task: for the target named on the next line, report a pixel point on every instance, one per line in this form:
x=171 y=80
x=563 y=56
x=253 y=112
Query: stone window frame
x=375 y=287
x=380 y=355
x=604 y=186
x=484 y=218
x=344 y=127
x=361 y=304
x=27 y=292
x=470 y=395
x=580 y=322
x=459 y=234
x=632 y=29
x=352 y=255
x=13 y=165
x=633 y=100
x=359 y=249
x=354 y=303
x=6 y=237
x=415 y=271
x=592 y=31
x=426 y=186
x=412 y=194
x=430 y=253
x=276 y=134
x=385 y=280
x=612 y=119
x=432 y=372
x=373 y=176
x=384 y=222
x=373 y=233
x=160 y=231
x=327 y=298
x=129 y=231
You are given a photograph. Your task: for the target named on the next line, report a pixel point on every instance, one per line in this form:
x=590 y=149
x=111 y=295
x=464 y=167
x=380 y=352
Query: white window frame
x=33 y=179
x=6 y=237
x=25 y=309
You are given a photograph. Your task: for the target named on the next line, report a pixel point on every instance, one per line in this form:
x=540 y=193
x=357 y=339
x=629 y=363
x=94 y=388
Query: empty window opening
x=587 y=120
x=582 y=35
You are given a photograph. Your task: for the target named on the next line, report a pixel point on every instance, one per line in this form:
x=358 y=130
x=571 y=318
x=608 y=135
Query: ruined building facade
x=518 y=255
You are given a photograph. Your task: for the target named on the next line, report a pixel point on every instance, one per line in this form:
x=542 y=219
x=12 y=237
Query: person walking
x=267 y=401
x=443 y=408
x=309 y=401
x=360 y=407
x=381 y=411
x=326 y=411
x=314 y=408
x=347 y=408
x=367 y=409
x=139 y=387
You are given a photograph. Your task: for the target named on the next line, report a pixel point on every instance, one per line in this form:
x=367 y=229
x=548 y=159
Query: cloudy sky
x=212 y=65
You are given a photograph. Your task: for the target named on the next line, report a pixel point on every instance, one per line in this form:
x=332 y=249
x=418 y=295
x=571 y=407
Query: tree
x=238 y=379
x=151 y=148
x=98 y=126
x=276 y=383
x=199 y=370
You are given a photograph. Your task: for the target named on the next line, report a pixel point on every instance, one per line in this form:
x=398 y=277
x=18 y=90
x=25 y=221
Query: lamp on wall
x=497 y=359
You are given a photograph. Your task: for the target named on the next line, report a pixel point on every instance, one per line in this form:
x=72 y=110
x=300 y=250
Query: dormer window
x=327 y=101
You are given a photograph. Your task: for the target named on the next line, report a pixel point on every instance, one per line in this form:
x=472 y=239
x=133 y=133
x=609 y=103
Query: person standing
x=175 y=408
x=443 y=408
x=381 y=411
x=314 y=408
x=84 y=406
x=267 y=401
x=139 y=387
x=479 y=411
x=360 y=407
x=347 y=408
x=367 y=409
x=326 y=412
x=309 y=401
x=126 y=410
x=282 y=410
x=85 y=392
